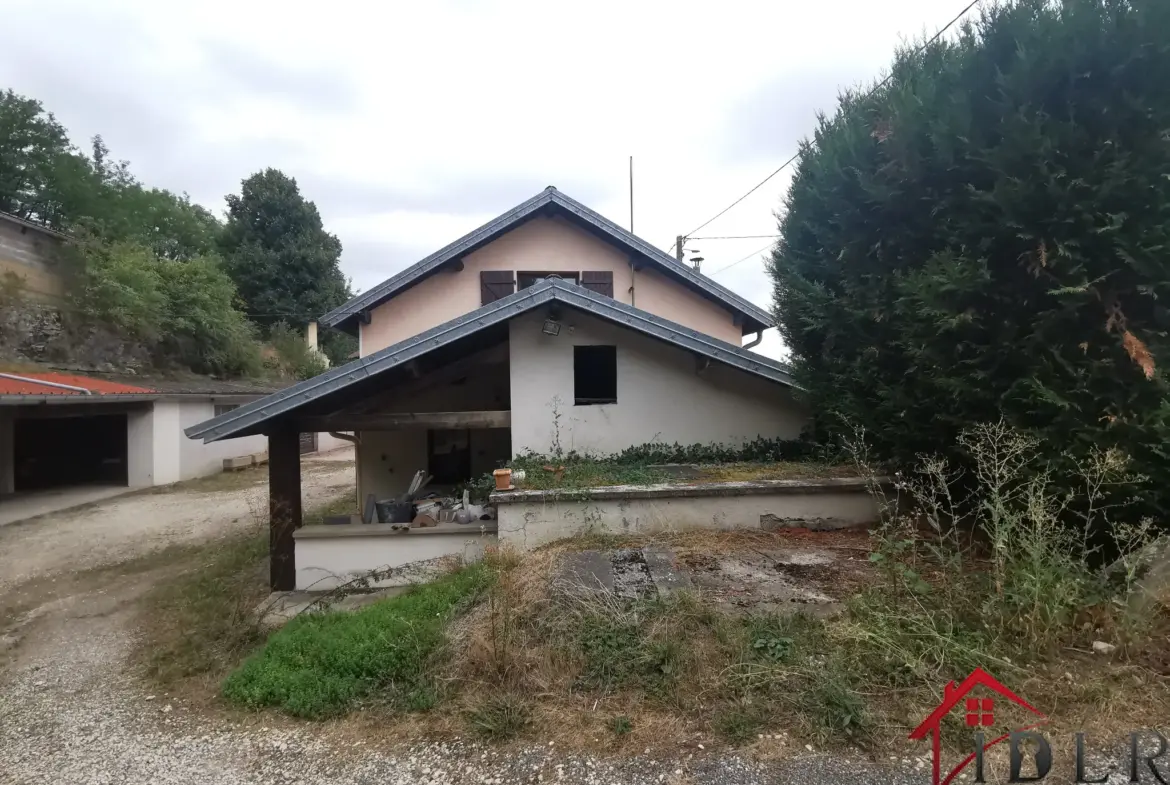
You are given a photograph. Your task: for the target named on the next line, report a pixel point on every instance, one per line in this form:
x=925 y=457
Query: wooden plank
x=495 y=285
x=600 y=281
x=284 y=507
x=398 y=421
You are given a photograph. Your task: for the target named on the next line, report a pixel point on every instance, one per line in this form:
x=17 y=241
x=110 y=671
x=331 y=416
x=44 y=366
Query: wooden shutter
x=600 y=282
x=494 y=285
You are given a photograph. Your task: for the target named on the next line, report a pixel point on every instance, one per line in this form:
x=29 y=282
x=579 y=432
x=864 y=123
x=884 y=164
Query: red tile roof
x=95 y=386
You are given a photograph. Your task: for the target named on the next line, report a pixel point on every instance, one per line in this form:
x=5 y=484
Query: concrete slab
x=31 y=504
x=631 y=578
x=664 y=570
x=585 y=572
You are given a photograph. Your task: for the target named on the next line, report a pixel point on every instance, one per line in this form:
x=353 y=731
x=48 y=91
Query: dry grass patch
x=785 y=470
x=206 y=616
x=203 y=620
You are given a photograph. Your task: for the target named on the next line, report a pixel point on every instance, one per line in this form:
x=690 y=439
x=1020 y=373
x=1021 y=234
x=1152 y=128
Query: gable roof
x=952 y=695
x=251 y=418
x=550 y=201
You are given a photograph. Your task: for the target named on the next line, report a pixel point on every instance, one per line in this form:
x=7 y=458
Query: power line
x=876 y=87
x=737 y=237
x=744 y=259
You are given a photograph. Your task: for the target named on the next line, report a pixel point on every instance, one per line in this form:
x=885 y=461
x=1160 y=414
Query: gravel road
x=73 y=713
x=126 y=527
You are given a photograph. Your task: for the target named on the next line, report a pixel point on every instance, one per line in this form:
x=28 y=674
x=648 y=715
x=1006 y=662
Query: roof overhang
x=99 y=398
x=482 y=327
x=750 y=317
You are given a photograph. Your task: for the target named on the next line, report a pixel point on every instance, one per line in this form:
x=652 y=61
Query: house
x=549 y=329
x=64 y=430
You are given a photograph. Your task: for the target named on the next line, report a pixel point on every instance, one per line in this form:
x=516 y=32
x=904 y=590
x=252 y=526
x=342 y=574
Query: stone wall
x=41 y=332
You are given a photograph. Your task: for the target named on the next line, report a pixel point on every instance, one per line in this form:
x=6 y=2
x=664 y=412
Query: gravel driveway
x=130 y=526
x=72 y=712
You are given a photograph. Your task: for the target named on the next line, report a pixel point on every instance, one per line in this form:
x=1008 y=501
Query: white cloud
x=411 y=123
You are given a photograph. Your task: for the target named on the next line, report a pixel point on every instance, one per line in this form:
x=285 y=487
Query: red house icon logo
x=978 y=713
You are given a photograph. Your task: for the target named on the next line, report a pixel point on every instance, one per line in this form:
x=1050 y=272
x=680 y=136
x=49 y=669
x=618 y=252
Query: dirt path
x=131 y=526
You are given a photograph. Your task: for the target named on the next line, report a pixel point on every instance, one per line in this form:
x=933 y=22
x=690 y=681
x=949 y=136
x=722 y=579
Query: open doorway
x=56 y=452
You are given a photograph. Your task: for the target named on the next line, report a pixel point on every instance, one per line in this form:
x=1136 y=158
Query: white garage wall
x=197 y=459
x=661 y=394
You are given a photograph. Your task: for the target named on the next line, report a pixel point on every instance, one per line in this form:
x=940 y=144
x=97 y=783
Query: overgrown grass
x=201 y=621
x=674 y=655
x=995 y=581
x=204 y=620
x=544 y=473
x=322 y=664
x=780 y=470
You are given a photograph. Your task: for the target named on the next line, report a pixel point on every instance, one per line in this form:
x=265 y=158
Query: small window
x=594 y=375
x=224 y=408
x=524 y=280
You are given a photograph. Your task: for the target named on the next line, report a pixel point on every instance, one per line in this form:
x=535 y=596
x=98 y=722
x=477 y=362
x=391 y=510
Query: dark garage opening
x=61 y=451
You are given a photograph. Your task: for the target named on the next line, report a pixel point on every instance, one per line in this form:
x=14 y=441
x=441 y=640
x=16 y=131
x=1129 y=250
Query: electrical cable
x=784 y=165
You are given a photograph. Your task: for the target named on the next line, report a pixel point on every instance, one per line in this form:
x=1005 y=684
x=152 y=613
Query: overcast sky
x=410 y=124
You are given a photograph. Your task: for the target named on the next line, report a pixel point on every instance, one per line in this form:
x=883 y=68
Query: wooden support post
x=284 y=506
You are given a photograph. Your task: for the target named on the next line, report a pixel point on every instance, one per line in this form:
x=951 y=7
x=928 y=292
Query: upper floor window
x=497 y=284
x=524 y=280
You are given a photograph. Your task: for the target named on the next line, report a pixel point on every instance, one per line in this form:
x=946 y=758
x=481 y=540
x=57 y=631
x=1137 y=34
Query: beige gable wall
x=540 y=245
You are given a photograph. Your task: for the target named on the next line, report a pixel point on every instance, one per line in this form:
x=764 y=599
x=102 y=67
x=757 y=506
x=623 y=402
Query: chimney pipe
x=311 y=335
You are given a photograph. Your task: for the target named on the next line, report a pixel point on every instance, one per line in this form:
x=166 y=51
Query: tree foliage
x=34 y=152
x=284 y=263
x=150 y=261
x=183 y=311
x=987 y=234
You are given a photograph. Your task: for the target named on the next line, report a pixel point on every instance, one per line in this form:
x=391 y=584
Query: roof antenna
x=631 y=194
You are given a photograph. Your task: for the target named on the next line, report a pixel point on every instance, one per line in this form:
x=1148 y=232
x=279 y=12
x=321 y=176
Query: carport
x=67 y=439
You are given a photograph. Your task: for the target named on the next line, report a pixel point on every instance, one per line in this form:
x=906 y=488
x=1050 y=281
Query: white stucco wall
x=154 y=439
x=328 y=556
x=197 y=459
x=327 y=443
x=530 y=524
x=660 y=395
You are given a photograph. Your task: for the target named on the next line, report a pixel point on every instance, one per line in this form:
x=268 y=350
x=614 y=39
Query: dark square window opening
x=524 y=280
x=594 y=375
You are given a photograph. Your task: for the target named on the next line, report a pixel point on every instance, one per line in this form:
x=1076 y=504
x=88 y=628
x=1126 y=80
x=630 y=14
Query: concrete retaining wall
x=529 y=519
x=328 y=556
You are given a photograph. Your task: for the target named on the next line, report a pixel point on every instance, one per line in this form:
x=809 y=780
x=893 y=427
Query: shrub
x=321 y=664
x=294 y=357
x=184 y=311
x=985 y=235
x=1026 y=577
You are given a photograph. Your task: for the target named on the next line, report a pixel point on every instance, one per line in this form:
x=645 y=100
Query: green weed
x=620 y=725
x=500 y=717
x=321 y=664
x=739 y=722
